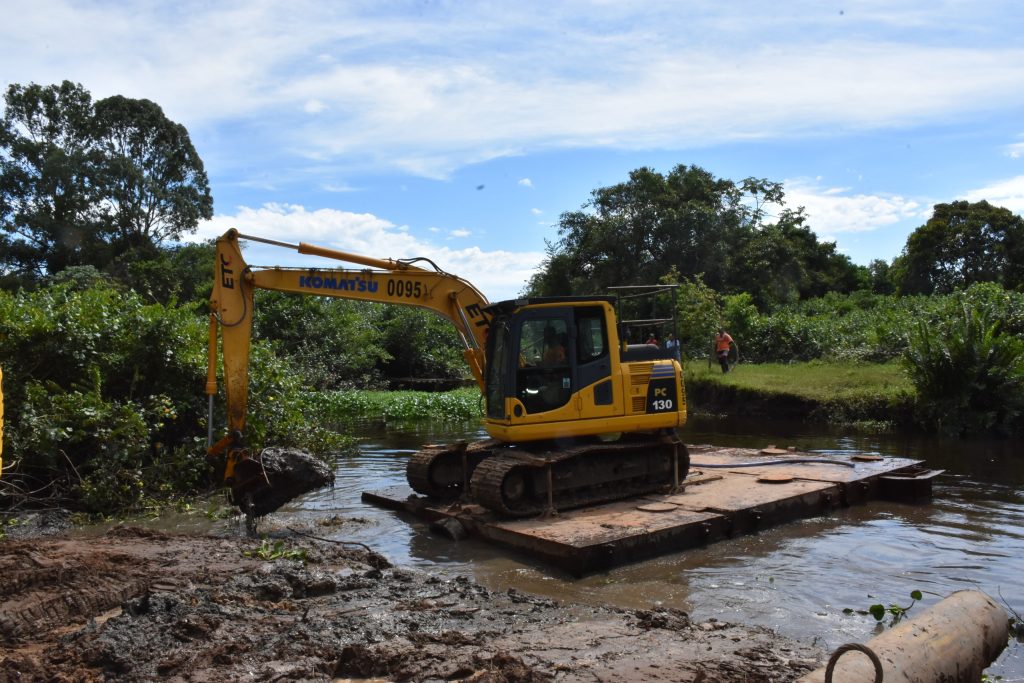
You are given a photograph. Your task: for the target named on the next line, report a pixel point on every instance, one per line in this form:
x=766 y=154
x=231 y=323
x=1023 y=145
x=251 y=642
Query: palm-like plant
x=969 y=375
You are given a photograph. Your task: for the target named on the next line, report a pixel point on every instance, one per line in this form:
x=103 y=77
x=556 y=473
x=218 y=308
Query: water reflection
x=796 y=578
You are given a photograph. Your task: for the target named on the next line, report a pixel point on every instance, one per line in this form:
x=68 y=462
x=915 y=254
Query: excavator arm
x=392 y=281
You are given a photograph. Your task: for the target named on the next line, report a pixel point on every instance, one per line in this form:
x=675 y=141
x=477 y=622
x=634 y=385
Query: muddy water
x=796 y=578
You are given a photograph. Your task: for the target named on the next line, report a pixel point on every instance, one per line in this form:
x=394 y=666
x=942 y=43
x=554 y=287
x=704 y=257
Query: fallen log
x=954 y=641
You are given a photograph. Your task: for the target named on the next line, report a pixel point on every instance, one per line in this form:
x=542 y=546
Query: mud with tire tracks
x=136 y=605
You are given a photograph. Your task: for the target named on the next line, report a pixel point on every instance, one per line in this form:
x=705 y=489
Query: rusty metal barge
x=728 y=492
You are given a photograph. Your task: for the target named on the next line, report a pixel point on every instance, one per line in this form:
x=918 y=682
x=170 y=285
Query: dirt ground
x=136 y=605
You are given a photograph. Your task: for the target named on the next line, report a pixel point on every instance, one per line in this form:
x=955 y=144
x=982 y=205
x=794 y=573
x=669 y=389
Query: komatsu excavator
x=576 y=416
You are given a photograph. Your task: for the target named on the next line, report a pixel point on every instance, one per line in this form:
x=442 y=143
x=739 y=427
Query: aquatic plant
x=276 y=551
x=897 y=611
x=333 y=407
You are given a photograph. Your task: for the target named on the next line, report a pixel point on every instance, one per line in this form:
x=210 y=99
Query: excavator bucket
x=263 y=483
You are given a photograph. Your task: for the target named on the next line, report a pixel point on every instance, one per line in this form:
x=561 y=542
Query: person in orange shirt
x=722 y=344
x=554 y=348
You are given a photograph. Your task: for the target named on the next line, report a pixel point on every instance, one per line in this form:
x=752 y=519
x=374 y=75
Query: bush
x=104 y=397
x=99 y=388
x=969 y=374
x=278 y=409
x=334 y=344
x=421 y=344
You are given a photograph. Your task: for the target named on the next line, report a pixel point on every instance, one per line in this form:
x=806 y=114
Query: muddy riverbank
x=137 y=605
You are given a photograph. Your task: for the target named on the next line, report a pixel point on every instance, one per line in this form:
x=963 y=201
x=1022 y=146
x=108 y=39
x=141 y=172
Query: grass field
x=815 y=381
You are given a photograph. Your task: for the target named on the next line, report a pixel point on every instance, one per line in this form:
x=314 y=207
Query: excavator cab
x=556 y=369
x=543 y=353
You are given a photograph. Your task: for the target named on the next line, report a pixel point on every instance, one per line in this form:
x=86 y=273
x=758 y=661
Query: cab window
x=591 y=340
x=544 y=379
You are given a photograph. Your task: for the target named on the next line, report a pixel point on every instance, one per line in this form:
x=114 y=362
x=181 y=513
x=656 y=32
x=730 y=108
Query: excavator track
x=517 y=483
x=522 y=481
x=442 y=472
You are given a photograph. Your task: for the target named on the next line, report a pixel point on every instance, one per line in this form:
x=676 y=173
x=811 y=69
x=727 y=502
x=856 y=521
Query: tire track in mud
x=57 y=591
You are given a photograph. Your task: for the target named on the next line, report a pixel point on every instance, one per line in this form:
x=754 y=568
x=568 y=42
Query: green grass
x=814 y=381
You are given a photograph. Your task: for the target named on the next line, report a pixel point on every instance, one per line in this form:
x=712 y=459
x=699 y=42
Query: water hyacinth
x=341 y=406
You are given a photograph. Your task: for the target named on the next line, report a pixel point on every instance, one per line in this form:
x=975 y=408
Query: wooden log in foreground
x=953 y=641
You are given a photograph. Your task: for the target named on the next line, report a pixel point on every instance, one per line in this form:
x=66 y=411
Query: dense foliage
x=84 y=183
x=968 y=370
x=103 y=398
x=338 y=344
x=860 y=326
x=340 y=407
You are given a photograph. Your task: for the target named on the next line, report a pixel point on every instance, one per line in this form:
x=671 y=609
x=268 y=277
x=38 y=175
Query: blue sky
x=461 y=130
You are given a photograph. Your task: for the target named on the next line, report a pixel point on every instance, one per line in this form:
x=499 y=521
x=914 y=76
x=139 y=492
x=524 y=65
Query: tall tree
x=153 y=184
x=635 y=231
x=638 y=231
x=47 y=197
x=962 y=243
x=81 y=183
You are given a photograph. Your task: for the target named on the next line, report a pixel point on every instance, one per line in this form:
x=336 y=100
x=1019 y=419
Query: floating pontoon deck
x=724 y=495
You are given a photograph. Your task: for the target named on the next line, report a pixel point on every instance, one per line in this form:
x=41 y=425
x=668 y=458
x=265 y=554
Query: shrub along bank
x=105 y=410
x=103 y=400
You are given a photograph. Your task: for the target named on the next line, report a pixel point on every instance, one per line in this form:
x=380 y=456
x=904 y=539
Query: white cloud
x=460 y=233
x=338 y=188
x=497 y=274
x=1006 y=193
x=426 y=93
x=1015 y=150
x=314 y=106
x=526 y=182
x=536 y=212
x=831 y=211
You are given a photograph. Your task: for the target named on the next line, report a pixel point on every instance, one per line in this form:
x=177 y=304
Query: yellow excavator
x=576 y=415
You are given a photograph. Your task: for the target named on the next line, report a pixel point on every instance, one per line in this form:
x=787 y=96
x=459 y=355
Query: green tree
x=783 y=262
x=698 y=313
x=880 y=277
x=421 y=344
x=334 y=344
x=637 y=231
x=81 y=182
x=962 y=243
x=152 y=181
x=48 y=204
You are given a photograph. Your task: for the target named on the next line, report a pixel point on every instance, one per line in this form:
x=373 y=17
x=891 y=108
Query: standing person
x=672 y=345
x=722 y=344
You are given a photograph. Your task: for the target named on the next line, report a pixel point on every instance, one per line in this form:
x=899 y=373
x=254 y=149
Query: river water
x=796 y=578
